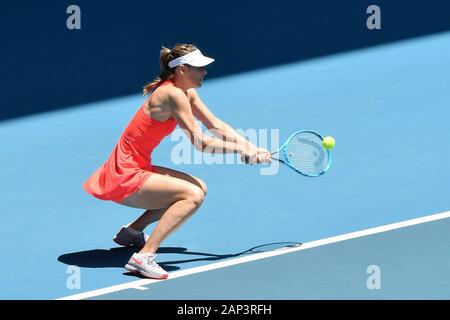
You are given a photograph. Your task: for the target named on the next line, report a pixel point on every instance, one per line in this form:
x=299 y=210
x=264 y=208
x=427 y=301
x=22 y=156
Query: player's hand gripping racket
x=304 y=153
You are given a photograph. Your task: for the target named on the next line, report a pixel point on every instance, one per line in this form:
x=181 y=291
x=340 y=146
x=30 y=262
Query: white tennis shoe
x=145 y=264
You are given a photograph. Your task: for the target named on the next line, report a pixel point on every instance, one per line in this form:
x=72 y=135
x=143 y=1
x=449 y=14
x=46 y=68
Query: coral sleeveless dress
x=129 y=165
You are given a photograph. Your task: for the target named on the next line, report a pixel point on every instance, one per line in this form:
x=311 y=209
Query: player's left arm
x=215 y=125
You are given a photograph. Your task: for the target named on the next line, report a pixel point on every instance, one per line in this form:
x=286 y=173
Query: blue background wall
x=45 y=66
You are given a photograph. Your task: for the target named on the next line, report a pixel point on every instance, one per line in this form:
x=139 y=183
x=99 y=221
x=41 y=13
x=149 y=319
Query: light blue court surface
x=388 y=108
x=337 y=270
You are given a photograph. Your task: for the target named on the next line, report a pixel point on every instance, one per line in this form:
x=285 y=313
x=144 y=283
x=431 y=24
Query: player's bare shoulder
x=161 y=102
x=177 y=98
x=164 y=94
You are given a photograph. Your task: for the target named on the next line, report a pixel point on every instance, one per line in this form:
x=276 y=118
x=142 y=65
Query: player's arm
x=215 y=125
x=181 y=110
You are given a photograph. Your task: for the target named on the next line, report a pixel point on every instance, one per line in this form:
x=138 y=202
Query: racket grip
x=246 y=160
x=272 y=157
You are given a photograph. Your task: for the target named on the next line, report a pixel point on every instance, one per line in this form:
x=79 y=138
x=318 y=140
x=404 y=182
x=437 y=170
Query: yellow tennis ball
x=328 y=143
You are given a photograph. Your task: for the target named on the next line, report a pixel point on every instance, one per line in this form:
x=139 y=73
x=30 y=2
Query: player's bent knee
x=202 y=185
x=196 y=196
x=204 y=188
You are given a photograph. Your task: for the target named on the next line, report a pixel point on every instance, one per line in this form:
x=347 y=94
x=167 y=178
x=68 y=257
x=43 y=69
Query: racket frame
x=284 y=159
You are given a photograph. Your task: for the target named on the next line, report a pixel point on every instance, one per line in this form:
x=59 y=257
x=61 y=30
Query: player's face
x=196 y=75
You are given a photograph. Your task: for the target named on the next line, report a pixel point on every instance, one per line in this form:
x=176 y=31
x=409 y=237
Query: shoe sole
x=134 y=270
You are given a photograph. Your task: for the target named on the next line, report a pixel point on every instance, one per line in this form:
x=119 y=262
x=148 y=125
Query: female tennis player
x=170 y=197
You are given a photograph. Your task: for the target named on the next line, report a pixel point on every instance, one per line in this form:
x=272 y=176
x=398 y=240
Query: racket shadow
x=217 y=257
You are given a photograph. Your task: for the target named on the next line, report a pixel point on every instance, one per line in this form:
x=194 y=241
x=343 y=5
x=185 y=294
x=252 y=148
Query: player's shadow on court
x=103 y=258
x=118 y=257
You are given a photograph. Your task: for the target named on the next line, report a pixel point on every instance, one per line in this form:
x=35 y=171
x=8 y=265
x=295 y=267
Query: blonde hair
x=165 y=56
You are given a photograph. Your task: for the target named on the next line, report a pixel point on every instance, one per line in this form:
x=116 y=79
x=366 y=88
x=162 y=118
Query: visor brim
x=201 y=61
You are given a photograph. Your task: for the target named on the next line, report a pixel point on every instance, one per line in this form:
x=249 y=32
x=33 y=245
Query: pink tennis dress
x=130 y=165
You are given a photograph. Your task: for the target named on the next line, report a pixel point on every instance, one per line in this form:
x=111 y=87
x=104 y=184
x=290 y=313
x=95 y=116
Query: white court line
x=257 y=256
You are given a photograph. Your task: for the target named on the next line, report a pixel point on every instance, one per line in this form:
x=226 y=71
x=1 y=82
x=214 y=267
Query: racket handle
x=246 y=160
x=273 y=154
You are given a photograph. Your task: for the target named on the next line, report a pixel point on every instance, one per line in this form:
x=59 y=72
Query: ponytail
x=166 y=72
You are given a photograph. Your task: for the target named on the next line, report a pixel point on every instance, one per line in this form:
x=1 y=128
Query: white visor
x=194 y=58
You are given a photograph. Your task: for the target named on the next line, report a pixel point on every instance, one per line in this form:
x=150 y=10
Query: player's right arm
x=182 y=112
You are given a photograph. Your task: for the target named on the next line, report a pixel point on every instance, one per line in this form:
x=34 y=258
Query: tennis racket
x=304 y=153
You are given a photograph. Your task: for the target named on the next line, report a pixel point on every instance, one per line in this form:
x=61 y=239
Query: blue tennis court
x=375 y=226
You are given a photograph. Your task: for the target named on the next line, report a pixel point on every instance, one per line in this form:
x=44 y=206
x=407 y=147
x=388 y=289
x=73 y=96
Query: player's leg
x=175 y=200
x=151 y=216
x=171 y=199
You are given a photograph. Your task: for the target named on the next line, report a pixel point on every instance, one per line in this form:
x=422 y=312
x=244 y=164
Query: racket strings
x=306 y=154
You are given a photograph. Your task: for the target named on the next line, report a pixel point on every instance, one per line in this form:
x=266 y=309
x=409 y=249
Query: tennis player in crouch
x=169 y=197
